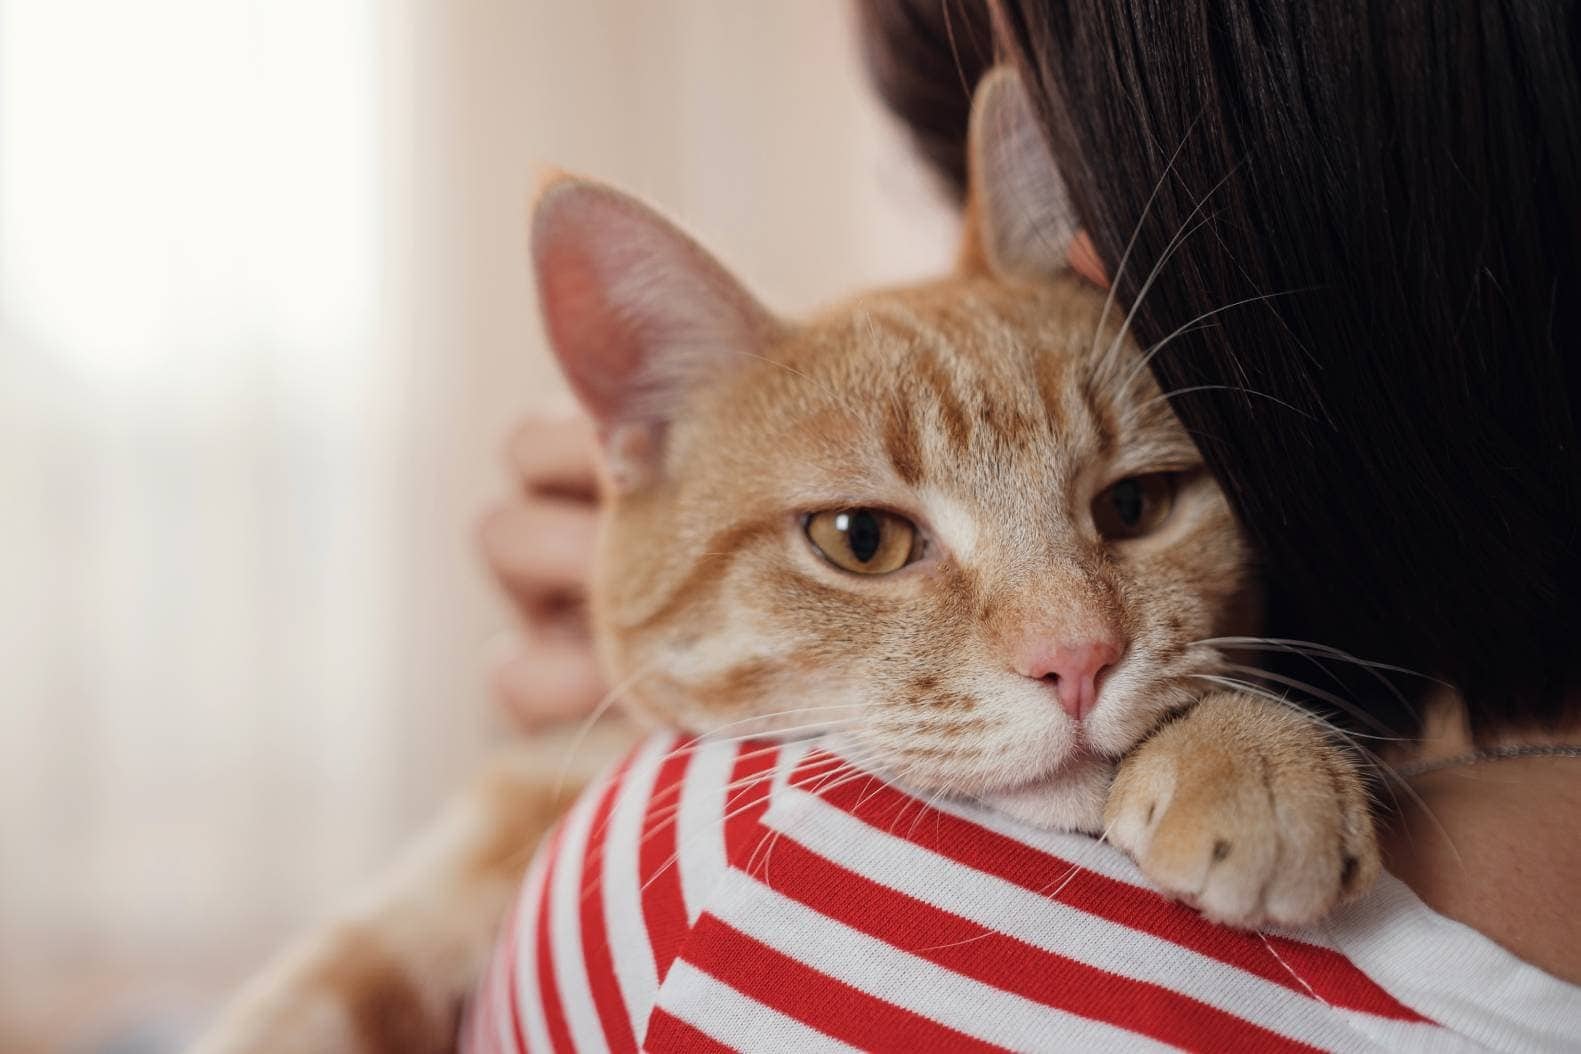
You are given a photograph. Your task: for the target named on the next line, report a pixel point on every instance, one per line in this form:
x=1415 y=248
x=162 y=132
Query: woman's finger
x=555 y=457
x=539 y=550
x=548 y=681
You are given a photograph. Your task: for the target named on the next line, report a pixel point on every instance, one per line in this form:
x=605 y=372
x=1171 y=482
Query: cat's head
x=956 y=521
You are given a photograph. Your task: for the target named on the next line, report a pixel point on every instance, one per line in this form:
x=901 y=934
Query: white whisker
x=1147 y=357
x=1227 y=388
x=1125 y=256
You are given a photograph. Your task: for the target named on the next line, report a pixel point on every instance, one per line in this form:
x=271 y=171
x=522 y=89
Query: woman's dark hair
x=1365 y=220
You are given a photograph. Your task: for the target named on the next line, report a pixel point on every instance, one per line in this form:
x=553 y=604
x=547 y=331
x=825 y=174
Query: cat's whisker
x=1317 y=660
x=1337 y=701
x=1301 y=647
x=951 y=790
x=1182 y=330
x=1189 y=225
x=1241 y=389
x=1136 y=232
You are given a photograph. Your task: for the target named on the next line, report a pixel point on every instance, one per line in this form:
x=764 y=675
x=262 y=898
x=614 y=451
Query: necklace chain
x=1477 y=757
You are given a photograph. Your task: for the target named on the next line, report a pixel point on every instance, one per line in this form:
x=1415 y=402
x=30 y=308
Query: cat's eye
x=1135 y=506
x=865 y=541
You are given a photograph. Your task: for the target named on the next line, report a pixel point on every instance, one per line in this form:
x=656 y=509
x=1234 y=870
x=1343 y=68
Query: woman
x=1364 y=222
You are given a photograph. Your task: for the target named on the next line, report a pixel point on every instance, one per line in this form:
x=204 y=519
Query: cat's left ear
x=637 y=313
x=1019 y=221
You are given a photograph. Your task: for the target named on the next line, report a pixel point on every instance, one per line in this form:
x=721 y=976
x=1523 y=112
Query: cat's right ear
x=636 y=312
x=1019 y=219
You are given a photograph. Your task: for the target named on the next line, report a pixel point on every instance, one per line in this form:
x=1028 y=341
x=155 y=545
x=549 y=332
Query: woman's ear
x=636 y=312
x=1019 y=222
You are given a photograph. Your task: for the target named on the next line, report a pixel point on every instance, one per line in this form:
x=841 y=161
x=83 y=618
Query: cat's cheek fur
x=1072 y=801
x=973 y=736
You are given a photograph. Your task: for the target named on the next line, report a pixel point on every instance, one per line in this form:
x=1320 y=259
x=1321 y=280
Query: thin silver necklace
x=1477 y=757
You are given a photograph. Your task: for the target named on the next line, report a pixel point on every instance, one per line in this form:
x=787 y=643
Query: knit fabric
x=768 y=897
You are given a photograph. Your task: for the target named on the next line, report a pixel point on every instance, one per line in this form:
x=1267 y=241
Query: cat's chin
x=1070 y=799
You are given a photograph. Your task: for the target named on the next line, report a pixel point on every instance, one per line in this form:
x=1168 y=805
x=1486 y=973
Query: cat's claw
x=1247 y=811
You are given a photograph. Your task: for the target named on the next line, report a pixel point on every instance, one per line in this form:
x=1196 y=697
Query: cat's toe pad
x=1246 y=812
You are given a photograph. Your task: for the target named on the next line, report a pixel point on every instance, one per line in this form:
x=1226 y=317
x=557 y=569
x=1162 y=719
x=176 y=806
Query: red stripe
x=601 y=979
x=751 y=779
x=1011 y=965
x=1335 y=979
x=819 y=1001
x=663 y=903
x=548 y=989
x=668 y=1033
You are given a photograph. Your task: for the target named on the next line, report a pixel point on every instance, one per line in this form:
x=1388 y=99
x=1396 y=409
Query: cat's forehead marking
x=988 y=397
x=903 y=440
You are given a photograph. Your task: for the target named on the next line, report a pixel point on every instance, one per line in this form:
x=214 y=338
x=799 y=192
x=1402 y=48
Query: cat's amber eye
x=1135 y=506
x=865 y=541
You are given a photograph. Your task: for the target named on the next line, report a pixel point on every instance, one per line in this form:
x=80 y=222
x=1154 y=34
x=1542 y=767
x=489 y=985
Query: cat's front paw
x=1248 y=811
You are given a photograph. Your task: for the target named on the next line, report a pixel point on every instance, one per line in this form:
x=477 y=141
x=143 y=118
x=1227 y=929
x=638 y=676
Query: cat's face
x=955 y=523
x=972 y=441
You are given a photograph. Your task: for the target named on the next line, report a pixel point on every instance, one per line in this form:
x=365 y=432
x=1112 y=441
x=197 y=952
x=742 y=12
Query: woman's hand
x=539 y=546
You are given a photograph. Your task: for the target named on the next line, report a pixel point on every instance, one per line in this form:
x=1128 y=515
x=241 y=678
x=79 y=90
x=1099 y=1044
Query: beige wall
x=245 y=634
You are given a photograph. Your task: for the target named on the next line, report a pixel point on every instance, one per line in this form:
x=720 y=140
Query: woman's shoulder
x=761 y=894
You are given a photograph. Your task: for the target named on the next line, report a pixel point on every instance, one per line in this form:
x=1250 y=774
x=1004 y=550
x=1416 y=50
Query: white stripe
x=1453 y=974
x=736 y=1020
x=699 y=824
x=535 y=1029
x=565 y=946
x=622 y=886
x=1410 y=1037
x=1045 y=923
x=915 y=984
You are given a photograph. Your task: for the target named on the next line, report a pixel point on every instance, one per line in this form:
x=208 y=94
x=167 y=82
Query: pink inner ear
x=637 y=312
x=598 y=345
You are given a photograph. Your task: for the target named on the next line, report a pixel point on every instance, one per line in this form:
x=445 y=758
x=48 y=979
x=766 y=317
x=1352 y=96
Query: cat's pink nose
x=1073 y=671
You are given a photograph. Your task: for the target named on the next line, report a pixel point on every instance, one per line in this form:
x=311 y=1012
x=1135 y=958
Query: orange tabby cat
x=954 y=527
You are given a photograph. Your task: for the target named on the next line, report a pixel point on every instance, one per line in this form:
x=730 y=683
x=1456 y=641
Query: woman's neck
x=1494 y=845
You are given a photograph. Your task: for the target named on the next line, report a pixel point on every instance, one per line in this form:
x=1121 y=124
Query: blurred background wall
x=265 y=320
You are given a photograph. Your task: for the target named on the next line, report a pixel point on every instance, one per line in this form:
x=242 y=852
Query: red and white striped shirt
x=769 y=897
